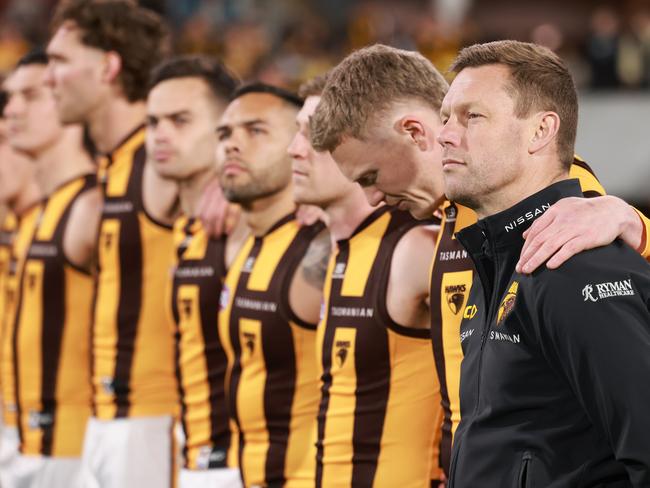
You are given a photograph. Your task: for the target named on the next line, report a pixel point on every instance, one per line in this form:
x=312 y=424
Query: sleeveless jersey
x=133 y=350
x=272 y=379
x=380 y=405
x=201 y=361
x=52 y=335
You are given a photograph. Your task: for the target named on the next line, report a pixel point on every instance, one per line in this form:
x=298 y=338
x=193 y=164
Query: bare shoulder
x=83 y=227
x=417 y=246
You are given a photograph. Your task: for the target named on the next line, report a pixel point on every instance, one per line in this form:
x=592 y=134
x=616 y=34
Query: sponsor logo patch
x=608 y=289
x=470 y=312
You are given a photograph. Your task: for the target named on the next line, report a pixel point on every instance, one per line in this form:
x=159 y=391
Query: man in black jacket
x=554 y=384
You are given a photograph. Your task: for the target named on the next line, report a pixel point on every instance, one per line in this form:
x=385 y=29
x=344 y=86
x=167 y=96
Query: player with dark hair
x=186 y=100
x=272 y=294
x=51 y=330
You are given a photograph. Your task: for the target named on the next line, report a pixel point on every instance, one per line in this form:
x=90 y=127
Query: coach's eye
x=473 y=115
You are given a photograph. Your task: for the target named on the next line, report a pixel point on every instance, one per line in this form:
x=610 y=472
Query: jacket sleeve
x=600 y=341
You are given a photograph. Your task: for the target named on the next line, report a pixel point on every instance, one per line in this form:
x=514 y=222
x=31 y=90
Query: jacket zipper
x=524 y=473
x=489 y=315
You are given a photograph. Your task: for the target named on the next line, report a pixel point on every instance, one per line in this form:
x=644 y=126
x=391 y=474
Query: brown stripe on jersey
x=130 y=299
x=328 y=343
x=440 y=267
x=591 y=194
x=53 y=301
x=583 y=164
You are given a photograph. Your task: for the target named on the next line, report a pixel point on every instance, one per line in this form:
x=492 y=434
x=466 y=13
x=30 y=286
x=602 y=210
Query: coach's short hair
x=136 y=34
x=220 y=81
x=368 y=82
x=539 y=81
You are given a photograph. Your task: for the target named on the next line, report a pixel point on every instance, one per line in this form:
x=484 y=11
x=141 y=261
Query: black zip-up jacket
x=555 y=382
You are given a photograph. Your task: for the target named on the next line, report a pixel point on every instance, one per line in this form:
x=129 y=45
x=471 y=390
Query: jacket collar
x=505 y=228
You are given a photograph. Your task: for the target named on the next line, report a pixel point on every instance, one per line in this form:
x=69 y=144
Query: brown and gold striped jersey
x=380 y=403
x=20 y=241
x=451 y=280
x=272 y=379
x=201 y=361
x=52 y=335
x=7 y=231
x=133 y=351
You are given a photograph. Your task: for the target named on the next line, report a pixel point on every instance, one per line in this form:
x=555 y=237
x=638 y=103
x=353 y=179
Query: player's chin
x=421 y=211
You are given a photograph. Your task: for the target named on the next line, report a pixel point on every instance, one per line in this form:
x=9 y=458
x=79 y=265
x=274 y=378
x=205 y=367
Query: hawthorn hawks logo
x=249 y=342
x=508 y=302
x=342 y=348
x=455 y=297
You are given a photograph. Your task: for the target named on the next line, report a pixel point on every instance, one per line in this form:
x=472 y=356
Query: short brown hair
x=540 y=81
x=220 y=81
x=368 y=82
x=136 y=34
x=313 y=87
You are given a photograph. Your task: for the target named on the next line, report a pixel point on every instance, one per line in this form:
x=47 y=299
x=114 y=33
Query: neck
x=62 y=162
x=111 y=123
x=191 y=190
x=347 y=213
x=263 y=213
x=518 y=191
x=27 y=198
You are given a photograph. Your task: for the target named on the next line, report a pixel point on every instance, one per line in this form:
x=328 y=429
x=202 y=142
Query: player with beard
x=185 y=102
x=101 y=55
x=51 y=331
x=272 y=293
x=376 y=426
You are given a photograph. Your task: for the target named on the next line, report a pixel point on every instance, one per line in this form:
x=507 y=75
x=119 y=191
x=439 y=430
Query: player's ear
x=112 y=66
x=416 y=131
x=544 y=130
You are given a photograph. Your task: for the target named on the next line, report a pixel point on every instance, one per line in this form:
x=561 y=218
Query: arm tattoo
x=314 y=264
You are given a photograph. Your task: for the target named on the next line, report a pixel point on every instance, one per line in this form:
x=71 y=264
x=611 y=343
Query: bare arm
x=80 y=238
x=407 y=299
x=306 y=291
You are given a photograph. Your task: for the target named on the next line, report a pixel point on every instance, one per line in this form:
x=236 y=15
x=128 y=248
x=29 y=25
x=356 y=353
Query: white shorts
x=9 y=443
x=210 y=478
x=46 y=472
x=129 y=453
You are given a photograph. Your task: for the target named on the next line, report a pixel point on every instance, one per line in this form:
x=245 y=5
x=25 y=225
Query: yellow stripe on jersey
x=52 y=336
x=376 y=425
x=22 y=238
x=452 y=273
x=272 y=382
x=132 y=353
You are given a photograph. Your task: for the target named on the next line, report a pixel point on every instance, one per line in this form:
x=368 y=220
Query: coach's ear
x=112 y=67
x=544 y=129
x=416 y=131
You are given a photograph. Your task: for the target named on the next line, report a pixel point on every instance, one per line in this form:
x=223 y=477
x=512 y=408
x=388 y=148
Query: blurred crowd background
x=605 y=43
